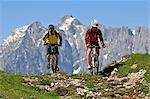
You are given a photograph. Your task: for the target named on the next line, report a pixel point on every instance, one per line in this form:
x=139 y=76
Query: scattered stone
x=105 y=78
x=114 y=72
x=32 y=97
x=31 y=81
x=146 y=97
x=99 y=93
x=60 y=76
x=142 y=81
x=52 y=84
x=81 y=91
x=126 y=97
x=61 y=91
x=99 y=84
x=124 y=79
x=113 y=75
x=133 y=78
x=117 y=95
x=44 y=87
x=106 y=89
x=134 y=66
x=76 y=82
x=124 y=58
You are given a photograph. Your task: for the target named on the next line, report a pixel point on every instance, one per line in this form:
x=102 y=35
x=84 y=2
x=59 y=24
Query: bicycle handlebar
x=54 y=45
x=94 y=46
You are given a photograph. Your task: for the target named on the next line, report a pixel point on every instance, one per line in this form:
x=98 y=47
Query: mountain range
x=23 y=51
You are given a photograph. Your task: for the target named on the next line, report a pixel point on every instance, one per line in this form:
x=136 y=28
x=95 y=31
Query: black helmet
x=51 y=27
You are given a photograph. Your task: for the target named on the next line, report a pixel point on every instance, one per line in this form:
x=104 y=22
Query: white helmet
x=94 y=23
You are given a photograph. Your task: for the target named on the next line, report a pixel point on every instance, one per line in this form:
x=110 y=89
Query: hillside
x=126 y=78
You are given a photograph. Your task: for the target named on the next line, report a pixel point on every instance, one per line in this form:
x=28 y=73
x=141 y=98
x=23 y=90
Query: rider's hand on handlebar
x=45 y=43
x=59 y=44
x=103 y=45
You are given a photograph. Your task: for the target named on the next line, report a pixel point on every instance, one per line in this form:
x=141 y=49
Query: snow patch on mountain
x=106 y=56
x=133 y=32
x=16 y=35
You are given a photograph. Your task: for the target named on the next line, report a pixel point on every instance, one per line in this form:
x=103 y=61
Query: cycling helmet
x=94 y=23
x=51 y=27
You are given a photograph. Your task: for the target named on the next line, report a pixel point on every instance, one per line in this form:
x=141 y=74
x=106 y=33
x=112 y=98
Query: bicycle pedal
x=48 y=66
x=57 y=68
x=90 y=68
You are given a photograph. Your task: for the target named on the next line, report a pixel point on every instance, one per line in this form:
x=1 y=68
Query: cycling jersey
x=92 y=37
x=52 y=37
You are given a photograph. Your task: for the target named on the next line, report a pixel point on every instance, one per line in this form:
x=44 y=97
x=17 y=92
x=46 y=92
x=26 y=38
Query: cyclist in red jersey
x=93 y=37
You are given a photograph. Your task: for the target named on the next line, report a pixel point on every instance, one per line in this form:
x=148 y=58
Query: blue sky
x=115 y=13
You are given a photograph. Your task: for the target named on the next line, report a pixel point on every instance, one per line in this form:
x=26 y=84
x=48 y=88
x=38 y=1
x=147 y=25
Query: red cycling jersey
x=92 y=36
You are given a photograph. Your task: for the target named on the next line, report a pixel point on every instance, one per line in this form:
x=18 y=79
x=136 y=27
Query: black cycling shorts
x=52 y=50
x=94 y=44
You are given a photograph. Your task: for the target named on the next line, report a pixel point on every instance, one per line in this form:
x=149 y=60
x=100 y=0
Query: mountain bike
x=53 y=64
x=95 y=61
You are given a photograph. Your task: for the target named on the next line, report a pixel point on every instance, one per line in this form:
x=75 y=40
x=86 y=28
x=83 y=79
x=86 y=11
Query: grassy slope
x=11 y=87
x=143 y=62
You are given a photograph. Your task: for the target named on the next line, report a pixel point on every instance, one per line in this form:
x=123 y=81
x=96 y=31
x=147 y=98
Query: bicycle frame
x=53 y=58
x=94 y=61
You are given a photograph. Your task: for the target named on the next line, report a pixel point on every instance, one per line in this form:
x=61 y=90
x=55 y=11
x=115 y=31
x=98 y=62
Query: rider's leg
x=57 y=68
x=97 y=51
x=56 y=59
x=89 y=59
x=48 y=56
x=56 y=54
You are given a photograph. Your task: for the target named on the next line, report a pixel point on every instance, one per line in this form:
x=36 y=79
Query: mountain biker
x=50 y=38
x=93 y=37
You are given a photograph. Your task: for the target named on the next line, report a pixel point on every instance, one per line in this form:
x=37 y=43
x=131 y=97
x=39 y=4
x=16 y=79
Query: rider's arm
x=60 y=41
x=100 y=37
x=87 y=36
x=60 y=38
x=45 y=36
